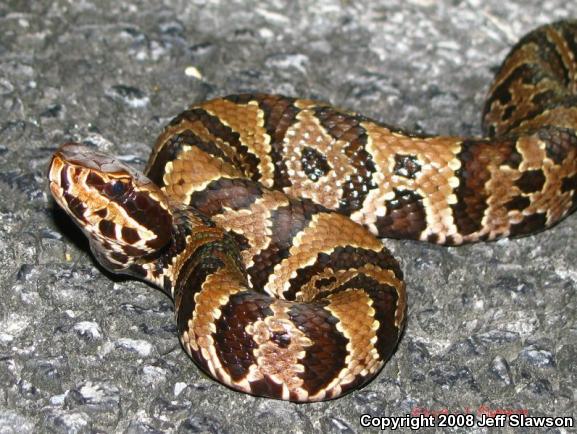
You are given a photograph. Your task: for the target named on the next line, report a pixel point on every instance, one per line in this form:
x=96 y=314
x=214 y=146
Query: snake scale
x=260 y=216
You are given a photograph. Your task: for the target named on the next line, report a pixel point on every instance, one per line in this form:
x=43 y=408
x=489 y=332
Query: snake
x=262 y=216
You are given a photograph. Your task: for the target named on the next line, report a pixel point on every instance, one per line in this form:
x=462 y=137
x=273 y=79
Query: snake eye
x=116 y=189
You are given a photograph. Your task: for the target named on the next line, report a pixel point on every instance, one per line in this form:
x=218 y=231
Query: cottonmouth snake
x=259 y=215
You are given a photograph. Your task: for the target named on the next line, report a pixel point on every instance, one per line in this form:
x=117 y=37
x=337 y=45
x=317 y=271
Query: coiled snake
x=259 y=215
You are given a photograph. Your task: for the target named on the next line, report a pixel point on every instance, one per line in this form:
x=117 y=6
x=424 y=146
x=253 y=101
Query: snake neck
x=157 y=267
x=194 y=238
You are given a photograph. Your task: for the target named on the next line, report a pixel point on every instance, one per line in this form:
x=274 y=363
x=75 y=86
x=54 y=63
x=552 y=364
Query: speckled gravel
x=490 y=326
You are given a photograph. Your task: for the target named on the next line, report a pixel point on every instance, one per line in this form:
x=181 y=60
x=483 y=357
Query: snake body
x=260 y=216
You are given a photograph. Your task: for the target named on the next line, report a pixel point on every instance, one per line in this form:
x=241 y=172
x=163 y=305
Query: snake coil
x=260 y=216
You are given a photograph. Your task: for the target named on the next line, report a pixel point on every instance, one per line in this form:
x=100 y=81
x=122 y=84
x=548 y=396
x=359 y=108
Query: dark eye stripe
x=94 y=180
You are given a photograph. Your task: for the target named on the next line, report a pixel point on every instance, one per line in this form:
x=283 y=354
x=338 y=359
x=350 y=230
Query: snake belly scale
x=260 y=216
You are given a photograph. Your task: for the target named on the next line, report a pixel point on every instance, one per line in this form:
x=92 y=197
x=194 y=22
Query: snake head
x=124 y=215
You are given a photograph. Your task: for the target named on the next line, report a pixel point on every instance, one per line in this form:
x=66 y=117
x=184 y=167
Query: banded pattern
x=259 y=214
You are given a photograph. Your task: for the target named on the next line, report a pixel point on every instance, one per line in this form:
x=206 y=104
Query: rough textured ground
x=490 y=326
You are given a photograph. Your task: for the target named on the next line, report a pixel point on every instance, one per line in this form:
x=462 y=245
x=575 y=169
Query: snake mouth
x=57 y=192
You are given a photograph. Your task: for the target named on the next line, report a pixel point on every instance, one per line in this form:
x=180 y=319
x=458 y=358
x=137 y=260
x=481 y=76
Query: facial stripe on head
x=124 y=214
